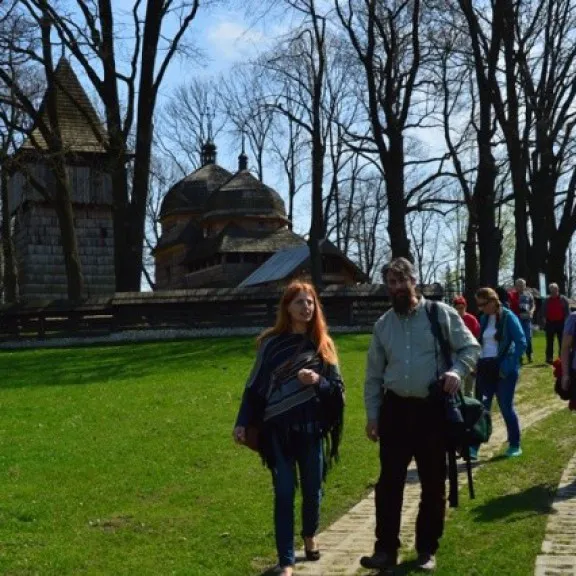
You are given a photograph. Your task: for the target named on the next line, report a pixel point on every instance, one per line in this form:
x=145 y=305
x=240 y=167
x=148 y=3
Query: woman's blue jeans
x=308 y=457
x=527 y=327
x=504 y=389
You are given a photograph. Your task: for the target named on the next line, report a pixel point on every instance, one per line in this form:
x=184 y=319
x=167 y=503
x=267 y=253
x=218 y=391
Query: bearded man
x=404 y=361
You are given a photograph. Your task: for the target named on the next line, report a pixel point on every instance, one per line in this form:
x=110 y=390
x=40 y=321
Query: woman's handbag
x=568 y=394
x=252 y=437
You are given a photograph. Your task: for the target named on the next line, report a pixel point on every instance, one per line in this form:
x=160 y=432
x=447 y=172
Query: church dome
x=245 y=196
x=192 y=192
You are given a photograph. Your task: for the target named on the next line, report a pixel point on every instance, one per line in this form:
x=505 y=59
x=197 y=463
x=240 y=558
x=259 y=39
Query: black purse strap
x=432 y=312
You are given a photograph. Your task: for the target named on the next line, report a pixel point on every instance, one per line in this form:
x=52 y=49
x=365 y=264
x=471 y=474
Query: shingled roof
x=236 y=239
x=78 y=119
x=247 y=196
x=186 y=232
x=190 y=193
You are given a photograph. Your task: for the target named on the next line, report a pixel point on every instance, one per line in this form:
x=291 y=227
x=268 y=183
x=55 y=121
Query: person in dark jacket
x=555 y=311
x=296 y=394
x=503 y=343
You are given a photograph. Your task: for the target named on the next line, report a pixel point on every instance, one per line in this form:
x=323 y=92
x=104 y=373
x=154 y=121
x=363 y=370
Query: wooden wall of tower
x=36 y=234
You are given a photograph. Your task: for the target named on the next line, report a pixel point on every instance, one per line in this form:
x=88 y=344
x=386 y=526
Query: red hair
x=317 y=328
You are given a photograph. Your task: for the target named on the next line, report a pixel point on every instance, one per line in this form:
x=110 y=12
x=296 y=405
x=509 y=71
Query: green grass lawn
x=119 y=459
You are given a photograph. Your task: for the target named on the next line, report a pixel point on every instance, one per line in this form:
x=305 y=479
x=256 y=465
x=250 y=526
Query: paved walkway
x=352 y=536
x=558 y=556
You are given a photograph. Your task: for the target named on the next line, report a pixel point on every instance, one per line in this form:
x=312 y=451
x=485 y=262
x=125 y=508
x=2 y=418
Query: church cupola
x=208 y=154
x=242 y=159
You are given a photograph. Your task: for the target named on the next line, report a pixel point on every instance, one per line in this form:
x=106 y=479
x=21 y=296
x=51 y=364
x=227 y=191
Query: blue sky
x=227 y=38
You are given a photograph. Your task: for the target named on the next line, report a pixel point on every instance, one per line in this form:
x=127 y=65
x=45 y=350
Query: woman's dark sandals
x=312 y=555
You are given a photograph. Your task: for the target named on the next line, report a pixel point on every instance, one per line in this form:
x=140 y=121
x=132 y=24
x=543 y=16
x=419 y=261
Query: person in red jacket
x=514 y=301
x=471 y=321
x=473 y=325
x=555 y=310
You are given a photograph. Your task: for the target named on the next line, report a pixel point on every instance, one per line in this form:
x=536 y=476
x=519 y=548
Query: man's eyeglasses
x=483 y=304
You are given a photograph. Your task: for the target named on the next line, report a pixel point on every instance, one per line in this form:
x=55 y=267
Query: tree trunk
x=11 y=292
x=318 y=153
x=489 y=241
x=541 y=202
x=62 y=193
x=556 y=269
x=470 y=263
x=559 y=246
x=121 y=226
x=317 y=220
x=63 y=207
x=511 y=127
x=394 y=178
x=143 y=152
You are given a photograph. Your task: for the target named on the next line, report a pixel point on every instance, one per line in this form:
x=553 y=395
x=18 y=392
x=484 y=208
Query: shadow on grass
x=87 y=365
x=275 y=570
x=567 y=492
x=535 y=500
x=405 y=567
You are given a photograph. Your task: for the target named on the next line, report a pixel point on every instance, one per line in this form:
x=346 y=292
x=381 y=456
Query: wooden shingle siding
x=35 y=226
x=40 y=258
x=90 y=186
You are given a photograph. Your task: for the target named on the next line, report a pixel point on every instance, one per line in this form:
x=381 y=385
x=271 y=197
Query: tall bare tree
x=185 y=122
x=91 y=33
x=241 y=98
x=385 y=39
x=542 y=56
x=47 y=121
x=298 y=68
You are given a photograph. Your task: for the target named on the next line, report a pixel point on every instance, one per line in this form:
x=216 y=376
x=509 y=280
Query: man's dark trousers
x=553 y=328
x=411 y=428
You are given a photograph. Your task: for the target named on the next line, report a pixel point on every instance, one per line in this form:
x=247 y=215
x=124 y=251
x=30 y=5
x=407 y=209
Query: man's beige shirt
x=404 y=356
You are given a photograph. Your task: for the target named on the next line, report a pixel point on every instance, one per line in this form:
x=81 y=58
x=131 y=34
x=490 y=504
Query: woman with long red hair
x=295 y=395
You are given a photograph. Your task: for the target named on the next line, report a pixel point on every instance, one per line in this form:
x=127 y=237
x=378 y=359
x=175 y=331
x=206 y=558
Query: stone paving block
x=559 y=545
x=555 y=566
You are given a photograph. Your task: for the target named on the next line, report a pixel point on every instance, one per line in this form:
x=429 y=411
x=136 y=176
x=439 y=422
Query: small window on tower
x=103 y=236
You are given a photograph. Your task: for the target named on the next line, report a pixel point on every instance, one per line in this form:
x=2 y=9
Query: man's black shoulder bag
x=468 y=422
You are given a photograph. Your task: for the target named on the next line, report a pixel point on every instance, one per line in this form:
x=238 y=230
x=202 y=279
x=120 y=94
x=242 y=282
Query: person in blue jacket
x=503 y=343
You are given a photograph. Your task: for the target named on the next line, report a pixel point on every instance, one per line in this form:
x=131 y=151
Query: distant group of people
x=295 y=395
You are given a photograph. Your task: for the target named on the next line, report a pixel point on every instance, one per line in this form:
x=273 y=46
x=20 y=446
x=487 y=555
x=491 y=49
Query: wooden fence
x=347 y=306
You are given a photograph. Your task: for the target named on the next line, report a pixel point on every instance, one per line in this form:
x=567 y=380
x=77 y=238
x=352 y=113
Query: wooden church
x=221 y=230
x=34 y=225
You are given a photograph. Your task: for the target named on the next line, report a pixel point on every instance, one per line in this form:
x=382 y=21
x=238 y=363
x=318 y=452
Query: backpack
x=468 y=421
